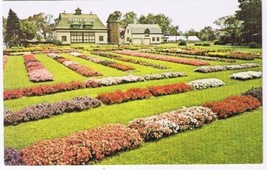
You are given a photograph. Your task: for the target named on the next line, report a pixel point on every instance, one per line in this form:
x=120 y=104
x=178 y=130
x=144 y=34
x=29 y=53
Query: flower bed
x=246 y=75
x=233 y=105
x=138 y=93
x=82 y=147
x=206 y=83
x=46 y=110
x=107 y=63
x=209 y=69
x=83 y=70
x=120 y=97
x=165 y=124
x=90 y=83
x=169 y=89
x=36 y=71
x=255 y=92
x=121 y=58
x=164 y=58
x=12 y=157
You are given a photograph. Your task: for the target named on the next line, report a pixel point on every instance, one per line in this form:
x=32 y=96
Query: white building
x=144 y=34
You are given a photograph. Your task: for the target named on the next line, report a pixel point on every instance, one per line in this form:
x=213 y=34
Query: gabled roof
x=65 y=21
x=141 y=28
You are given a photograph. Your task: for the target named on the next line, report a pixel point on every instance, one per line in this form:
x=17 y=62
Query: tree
x=129 y=18
x=12 y=33
x=43 y=24
x=232 y=28
x=207 y=34
x=191 y=32
x=28 y=29
x=163 y=21
x=251 y=13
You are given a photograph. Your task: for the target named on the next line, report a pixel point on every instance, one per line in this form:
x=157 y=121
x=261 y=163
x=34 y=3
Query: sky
x=187 y=14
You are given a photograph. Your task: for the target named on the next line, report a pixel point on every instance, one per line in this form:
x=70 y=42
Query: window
x=153 y=38
x=128 y=38
x=64 y=38
x=157 y=38
x=101 y=38
x=89 y=37
x=82 y=37
x=128 y=31
x=87 y=26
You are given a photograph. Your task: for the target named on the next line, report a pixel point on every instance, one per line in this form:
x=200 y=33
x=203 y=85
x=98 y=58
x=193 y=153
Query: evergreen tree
x=13 y=31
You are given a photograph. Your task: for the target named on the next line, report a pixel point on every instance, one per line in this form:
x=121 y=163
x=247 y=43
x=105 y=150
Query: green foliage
x=182 y=42
x=251 y=13
x=28 y=29
x=129 y=18
x=207 y=34
x=12 y=32
x=253 y=45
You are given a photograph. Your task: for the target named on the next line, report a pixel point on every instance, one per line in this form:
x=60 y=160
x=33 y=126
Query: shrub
x=12 y=157
x=169 y=89
x=253 y=45
x=46 y=110
x=255 y=92
x=233 y=105
x=206 y=83
x=165 y=124
x=182 y=42
x=82 y=147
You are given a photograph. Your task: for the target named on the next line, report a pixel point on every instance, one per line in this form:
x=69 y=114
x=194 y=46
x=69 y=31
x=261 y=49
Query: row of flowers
x=121 y=58
x=90 y=83
x=208 y=69
x=233 y=55
x=46 y=110
x=36 y=71
x=164 y=58
x=107 y=63
x=75 y=66
x=167 y=52
x=246 y=75
x=143 y=93
x=83 y=147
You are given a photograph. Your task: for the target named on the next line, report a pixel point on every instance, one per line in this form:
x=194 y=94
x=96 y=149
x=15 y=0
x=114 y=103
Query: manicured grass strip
x=121 y=58
x=107 y=63
x=165 y=58
x=75 y=66
x=91 y=83
x=46 y=110
x=36 y=71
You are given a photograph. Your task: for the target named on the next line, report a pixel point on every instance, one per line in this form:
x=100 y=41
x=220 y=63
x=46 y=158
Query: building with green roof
x=80 y=28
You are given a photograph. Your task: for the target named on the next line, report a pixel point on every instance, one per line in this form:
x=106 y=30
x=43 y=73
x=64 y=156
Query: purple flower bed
x=12 y=157
x=46 y=110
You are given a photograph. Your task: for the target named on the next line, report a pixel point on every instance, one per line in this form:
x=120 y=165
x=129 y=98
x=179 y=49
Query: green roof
x=67 y=20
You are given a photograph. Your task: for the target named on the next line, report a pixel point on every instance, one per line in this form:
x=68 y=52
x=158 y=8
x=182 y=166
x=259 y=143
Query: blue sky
x=186 y=13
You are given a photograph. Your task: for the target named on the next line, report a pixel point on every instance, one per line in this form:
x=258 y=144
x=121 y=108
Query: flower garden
x=86 y=104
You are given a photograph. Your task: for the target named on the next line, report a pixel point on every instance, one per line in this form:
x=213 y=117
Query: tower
x=113 y=25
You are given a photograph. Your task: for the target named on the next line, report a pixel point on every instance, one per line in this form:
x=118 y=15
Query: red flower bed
x=121 y=67
x=82 y=147
x=233 y=105
x=165 y=58
x=120 y=97
x=13 y=94
x=169 y=89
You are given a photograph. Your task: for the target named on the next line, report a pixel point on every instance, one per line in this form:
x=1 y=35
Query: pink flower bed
x=36 y=71
x=164 y=58
x=83 y=70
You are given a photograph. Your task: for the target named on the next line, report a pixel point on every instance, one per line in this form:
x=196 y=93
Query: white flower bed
x=75 y=54
x=67 y=63
x=52 y=55
x=246 y=75
x=107 y=81
x=206 y=83
x=208 y=69
x=156 y=127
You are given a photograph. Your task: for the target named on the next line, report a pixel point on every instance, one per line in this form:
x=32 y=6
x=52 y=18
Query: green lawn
x=234 y=140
